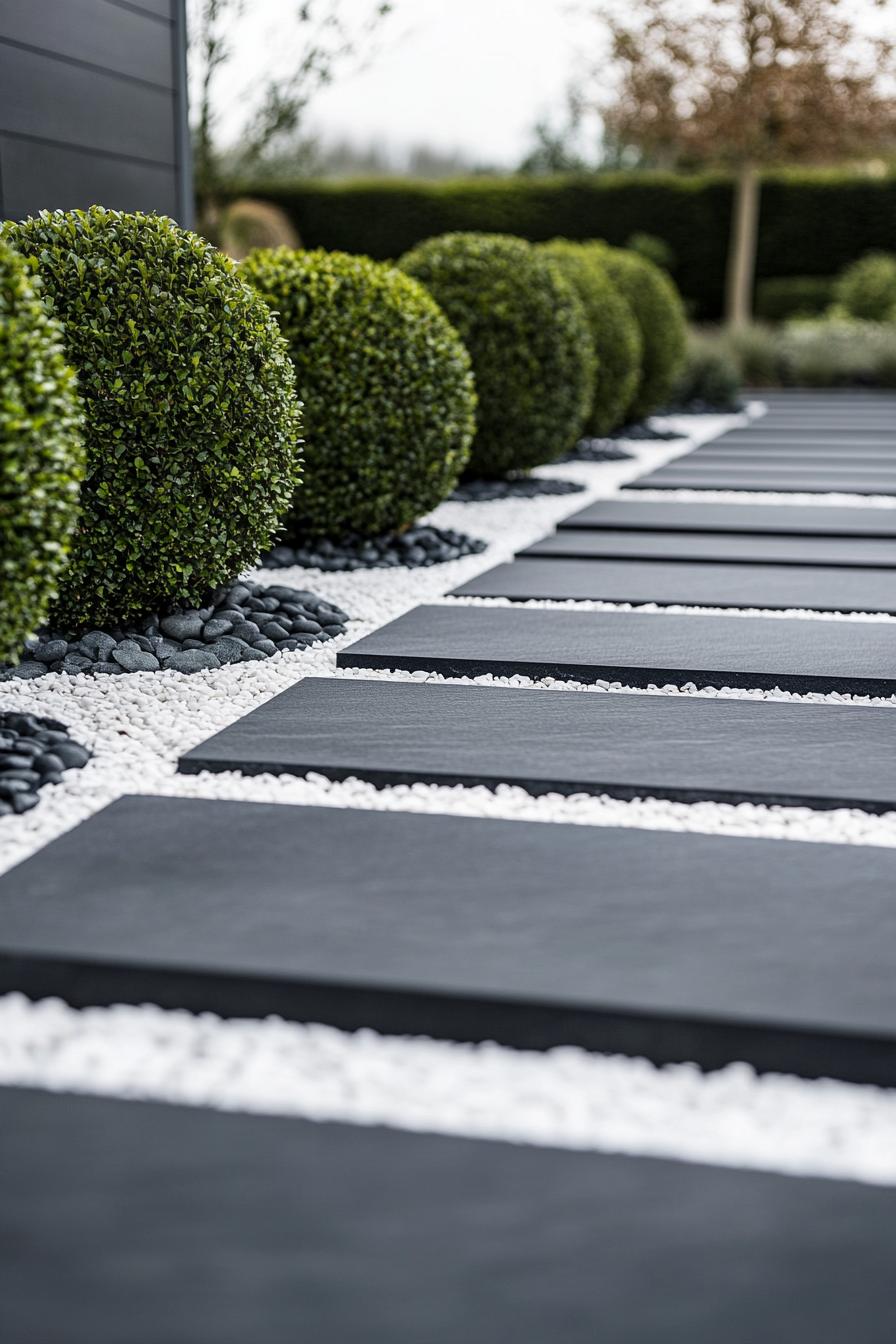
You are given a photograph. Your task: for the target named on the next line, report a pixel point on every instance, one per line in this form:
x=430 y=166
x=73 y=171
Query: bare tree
x=318 y=40
x=747 y=84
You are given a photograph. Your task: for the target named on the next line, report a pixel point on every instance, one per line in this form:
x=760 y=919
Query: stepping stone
x=703 y=458
x=822 y=439
x=684 y=583
x=807 y=520
x=816 y=482
x=674 y=946
x=682 y=747
x=636 y=648
x=606 y=544
x=157 y=1222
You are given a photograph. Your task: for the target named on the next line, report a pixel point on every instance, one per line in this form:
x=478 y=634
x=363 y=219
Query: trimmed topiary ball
x=41 y=454
x=659 y=312
x=866 y=289
x=192 y=422
x=386 y=384
x=528 y=337
x=614 y=331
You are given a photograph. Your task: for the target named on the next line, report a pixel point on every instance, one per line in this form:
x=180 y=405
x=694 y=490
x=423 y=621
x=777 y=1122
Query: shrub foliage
x=659 y=312
x=528 y=338
x=41 y=453
x=867 y=288
x=192 y=423
x=614 y=331
x=387 y=387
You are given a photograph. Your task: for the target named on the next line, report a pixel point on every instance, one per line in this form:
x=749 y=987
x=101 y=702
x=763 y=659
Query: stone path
x=683 y=747
x=674 y=946
x=677 y=947
x=181 y=1224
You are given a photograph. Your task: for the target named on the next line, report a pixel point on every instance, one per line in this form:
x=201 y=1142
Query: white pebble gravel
x=565 y=1097
x=138 y=725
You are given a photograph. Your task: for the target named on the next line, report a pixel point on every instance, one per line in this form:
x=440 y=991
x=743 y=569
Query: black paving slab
x=637 y=648
x=830 y=440
x=670 y=945
x=703 y=459
x=129 y=1222
x=734 y=548
x=683 y=747
x=808 y=520
x=815 y=482
x=686 y=583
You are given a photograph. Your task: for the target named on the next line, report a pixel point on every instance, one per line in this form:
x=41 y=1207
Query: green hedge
x=789 y=296
x=812 y=222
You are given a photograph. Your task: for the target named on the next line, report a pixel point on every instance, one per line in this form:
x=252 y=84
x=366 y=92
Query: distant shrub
x=867 y=288
x=659 y=312
x=41 y=454
x=247 y=224
x=793 y=296
x=837 y=354
x=614 y=331
x=710 y=377
x=387 y=388
x=653 y=248
x=192 y=423
x=528 y=337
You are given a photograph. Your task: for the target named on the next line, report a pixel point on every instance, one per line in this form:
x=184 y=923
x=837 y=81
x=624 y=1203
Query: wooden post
x=742 y=250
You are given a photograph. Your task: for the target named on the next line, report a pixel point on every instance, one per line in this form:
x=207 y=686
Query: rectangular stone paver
x=796 y=520
x=636 y=648
x=703 y=459
x=815 y=482
x=667 y=583
x=779 y=458
x=734 y=548
x=683 y=747
x=829 y=441
x=130 y=1222
x=675 y=946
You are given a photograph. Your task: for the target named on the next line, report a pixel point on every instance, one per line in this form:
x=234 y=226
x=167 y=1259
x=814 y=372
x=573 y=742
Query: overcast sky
x=470 y=75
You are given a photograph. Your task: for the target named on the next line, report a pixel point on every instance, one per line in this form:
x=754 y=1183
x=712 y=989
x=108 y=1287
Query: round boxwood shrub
x=614 y=331
x=867 y=288
x=659 y=312
x=192 y=422
x=386 y=384
x=528 y=337
x=41 y=454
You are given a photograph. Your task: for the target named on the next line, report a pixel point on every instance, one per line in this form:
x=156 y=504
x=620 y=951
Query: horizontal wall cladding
x=69 y=179
x=122 y=41
x=49 y=99
x=93 y=106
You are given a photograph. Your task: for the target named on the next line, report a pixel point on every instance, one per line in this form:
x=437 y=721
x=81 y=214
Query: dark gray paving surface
x=734 y=548
x=667 y=478
x=128 y=1222
x=684 y=747
x=698 y=583
x=638 y=649
x=779 y=458
x=808 y=520
x=670 y=945
x=702 y=459
x=829 y=441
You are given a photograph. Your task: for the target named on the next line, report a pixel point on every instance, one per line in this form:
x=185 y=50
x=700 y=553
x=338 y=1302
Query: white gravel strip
x=564 y=1098
x=139 y=724
x=833 y=499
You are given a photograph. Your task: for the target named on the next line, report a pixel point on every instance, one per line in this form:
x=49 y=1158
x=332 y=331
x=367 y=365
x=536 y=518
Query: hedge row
x=812 y=223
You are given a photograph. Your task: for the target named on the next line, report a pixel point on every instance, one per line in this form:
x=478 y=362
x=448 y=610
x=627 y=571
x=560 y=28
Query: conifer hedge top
x=616 y=334
x=41 y=454
x=386 y=384
x=192 y=422
x=528 y=337
x=659 y=312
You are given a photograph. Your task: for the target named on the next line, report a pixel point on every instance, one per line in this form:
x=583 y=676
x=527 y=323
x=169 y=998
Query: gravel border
x=417 y=548
x=522 y=487
x=243 y=623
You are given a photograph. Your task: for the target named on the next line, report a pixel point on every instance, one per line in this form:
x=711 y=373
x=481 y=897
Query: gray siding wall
x=93 y=106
